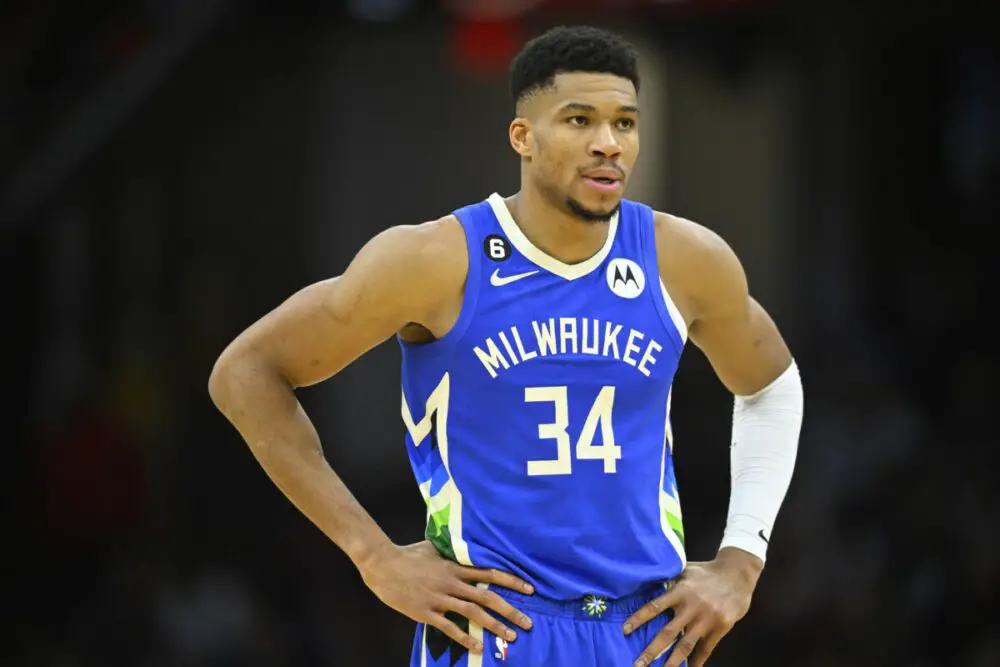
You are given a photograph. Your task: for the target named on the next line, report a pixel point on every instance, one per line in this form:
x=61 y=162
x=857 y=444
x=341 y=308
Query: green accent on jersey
x=440 y=519
x=676 y=525
x=439 y=534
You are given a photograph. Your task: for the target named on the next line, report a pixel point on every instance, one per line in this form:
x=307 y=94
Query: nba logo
x=501 y=653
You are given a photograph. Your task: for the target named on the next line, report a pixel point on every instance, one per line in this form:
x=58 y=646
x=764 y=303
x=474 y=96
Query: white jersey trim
x=540 y=257
x=675 y=313
x=670 y=505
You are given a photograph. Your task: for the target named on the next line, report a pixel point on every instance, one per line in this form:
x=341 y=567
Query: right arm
x=404 y=275
x=310 y=337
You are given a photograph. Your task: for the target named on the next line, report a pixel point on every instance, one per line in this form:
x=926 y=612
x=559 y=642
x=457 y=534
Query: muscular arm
x=707 y=284
x=404 y=275
x=747 y=352
x=738 y=337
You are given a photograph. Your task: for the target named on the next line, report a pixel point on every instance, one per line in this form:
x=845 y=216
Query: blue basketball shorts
x=577 y=633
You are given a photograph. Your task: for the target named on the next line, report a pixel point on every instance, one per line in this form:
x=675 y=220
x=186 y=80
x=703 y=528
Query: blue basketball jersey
x=538 y=427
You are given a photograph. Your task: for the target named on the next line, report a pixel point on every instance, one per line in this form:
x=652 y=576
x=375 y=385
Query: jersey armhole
x=670 y=315
x=470 y=294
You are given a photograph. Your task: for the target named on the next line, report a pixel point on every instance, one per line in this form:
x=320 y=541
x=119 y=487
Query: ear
x=520 y=136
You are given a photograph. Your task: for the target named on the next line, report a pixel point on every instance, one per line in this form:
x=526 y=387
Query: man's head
x=576 y=129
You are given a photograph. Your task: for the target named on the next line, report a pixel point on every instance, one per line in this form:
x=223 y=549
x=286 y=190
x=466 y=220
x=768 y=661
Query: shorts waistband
x=587 y=608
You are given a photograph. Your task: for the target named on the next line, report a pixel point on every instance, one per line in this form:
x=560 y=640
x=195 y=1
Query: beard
x=587 y=215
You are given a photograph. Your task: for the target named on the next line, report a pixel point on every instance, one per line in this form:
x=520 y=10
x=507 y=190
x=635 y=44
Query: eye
x=625 y=123
x=579 y=121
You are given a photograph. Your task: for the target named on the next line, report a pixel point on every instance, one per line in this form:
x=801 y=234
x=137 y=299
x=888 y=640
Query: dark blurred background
x=172 y=169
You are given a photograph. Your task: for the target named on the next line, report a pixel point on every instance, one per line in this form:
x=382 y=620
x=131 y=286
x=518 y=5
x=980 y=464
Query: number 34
x=600 y=415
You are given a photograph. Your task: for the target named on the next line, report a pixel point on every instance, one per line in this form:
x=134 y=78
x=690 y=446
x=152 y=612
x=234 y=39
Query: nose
x=604 y=143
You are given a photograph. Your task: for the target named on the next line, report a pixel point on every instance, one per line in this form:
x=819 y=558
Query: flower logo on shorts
x=594 y=605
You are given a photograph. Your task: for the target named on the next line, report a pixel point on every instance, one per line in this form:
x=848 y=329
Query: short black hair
x=571 y=49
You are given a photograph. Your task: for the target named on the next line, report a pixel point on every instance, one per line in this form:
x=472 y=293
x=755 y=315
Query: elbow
x=217 y=383
x=222 y=378
x=239 y=374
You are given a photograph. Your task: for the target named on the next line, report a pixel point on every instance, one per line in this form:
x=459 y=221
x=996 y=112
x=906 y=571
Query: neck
x=555 y=232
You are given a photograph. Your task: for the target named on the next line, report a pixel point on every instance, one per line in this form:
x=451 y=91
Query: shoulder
x=406 y=267
x=698 y=267
x=438 y=240
x=422 y=270
x=428 y=251
x=687 y=241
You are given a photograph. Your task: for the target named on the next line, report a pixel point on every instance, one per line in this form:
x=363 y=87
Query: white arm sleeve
x=765 y=441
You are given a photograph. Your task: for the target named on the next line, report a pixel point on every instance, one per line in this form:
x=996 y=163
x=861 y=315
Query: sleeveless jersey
x=539 y=425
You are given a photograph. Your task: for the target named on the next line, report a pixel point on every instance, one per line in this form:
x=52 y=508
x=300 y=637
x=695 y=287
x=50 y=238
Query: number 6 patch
x=497 y=248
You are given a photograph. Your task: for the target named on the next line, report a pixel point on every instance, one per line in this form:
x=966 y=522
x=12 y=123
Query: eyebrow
x=579 y=106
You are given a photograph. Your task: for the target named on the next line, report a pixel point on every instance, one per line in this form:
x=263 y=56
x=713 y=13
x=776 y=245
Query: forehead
x=591 y=88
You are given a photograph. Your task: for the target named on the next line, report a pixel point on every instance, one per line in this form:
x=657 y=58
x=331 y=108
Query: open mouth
x=602 y=182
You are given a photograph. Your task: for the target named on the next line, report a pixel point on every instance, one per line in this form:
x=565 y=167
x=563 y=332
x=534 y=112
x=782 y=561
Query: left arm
x=748 y=354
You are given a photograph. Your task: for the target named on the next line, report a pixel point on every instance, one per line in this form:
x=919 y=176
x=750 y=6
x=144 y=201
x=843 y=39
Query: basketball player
x=540 y=334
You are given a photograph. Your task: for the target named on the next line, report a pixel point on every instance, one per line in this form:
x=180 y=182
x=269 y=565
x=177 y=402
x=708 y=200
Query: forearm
x=765 y=443
x=264 y=409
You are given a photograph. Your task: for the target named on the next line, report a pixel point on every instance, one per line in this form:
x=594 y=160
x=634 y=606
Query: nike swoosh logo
x=497 y=281
x=760 y=534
